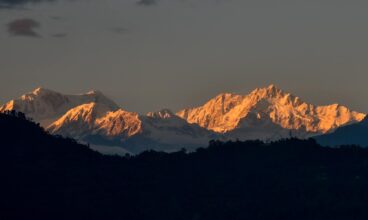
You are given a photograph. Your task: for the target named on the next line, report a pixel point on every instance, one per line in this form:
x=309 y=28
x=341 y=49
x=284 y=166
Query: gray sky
x=179 y=53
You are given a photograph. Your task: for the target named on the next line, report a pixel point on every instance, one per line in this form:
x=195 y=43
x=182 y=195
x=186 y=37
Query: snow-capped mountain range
x=266 y=114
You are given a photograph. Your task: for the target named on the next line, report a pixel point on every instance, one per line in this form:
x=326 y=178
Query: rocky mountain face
x=267 y=114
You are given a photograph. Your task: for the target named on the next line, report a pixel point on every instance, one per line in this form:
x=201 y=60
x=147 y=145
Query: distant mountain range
x=266 y=114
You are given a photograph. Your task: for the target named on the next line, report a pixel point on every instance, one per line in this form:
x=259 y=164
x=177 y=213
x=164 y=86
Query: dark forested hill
x=47 y=177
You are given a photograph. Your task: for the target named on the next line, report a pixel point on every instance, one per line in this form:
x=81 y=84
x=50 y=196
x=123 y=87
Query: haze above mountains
x=266 y=114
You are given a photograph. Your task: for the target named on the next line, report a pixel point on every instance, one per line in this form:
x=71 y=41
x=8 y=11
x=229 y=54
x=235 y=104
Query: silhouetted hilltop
x=24 y=139
x=47 y=177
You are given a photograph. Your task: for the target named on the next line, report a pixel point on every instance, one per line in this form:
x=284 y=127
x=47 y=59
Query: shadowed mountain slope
x=355 y=134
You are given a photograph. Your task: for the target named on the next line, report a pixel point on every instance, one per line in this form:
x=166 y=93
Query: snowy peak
x=45 y=106
x=98 y=97
x=41 y=104
x=119 y=123
x=95 y=118
x=78 y=120
x=211 y=115
x=87 y=112
x=268 y=92
x=273 y=94
x=225 y=112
